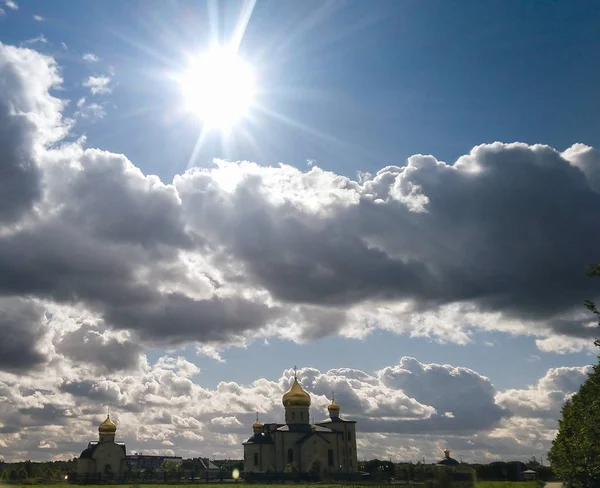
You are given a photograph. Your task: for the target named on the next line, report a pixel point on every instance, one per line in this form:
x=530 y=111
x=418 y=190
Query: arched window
x=301 y=415
x=255 y=459
x=290 y=455
x=293 y=415
x=330 y=457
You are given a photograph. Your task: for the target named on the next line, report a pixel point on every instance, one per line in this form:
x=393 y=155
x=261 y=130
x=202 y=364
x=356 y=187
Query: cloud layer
x=408 y=411
x=98 y=260
x=498 y=240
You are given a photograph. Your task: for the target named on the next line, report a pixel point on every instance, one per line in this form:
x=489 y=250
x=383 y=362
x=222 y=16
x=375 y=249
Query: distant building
x=144 y=461
x=329 y=445
x=203 y=468
x=103 y=459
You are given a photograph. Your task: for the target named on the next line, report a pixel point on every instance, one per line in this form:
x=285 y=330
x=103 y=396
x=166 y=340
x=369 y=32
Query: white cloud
x=11 y=4
x=563 y=344
x=158 y=406
x=90 y=57
x=98 y=85
x=545 y=399
x=92 y=110
x=38 y=18
x=118 y=261
x=324 y=254
x=41 y=39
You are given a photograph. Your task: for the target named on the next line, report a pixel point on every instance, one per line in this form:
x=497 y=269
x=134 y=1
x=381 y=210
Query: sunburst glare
x=218 y=87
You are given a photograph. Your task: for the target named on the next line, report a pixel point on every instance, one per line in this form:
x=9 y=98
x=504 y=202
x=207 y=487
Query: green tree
x=22 y=474
x=575 y=452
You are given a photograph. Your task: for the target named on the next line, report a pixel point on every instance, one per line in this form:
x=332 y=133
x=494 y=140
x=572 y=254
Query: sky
x=404 y=211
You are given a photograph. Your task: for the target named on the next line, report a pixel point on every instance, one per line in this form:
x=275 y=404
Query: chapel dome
x=333 y=407
x=107 y=427
x=296 y=396
x=448 y=461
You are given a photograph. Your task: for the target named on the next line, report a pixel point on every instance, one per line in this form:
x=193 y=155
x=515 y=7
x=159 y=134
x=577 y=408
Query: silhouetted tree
x=575 y=452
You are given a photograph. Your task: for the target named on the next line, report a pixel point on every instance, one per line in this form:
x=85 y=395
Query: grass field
x=509 y=484
x=480 y=484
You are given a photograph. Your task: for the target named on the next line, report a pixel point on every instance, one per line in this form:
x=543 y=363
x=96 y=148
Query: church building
x=329 y=445
x=103 y=459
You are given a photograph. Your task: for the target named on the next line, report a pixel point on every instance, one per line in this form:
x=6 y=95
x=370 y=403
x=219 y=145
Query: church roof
x=260 y=438
x=336 y=419
x=87 y=453
x=308 y=436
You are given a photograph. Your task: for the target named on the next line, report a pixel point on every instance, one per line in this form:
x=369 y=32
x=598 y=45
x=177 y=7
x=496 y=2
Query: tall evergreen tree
x=575 y=452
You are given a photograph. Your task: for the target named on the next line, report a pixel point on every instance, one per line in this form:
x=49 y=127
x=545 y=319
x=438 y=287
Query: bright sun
x=219 y=88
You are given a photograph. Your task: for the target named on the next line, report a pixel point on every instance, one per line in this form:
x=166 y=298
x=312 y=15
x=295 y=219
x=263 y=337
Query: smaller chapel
x=103 y=459
x=328 y=445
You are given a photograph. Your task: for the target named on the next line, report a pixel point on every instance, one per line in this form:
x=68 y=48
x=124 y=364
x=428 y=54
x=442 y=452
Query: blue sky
x=349 y=87
x=385 y=80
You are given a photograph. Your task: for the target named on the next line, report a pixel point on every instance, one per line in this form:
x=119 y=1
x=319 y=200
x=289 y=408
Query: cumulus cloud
x=546 y=398
x=497 y=240
x=21 y=325
x=463 y=398
x=99 y=260
x=38 y=18
x=159 y=408
x=98 y=85
x=31 y=119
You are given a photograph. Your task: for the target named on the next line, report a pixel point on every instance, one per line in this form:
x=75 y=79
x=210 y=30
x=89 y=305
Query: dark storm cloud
x=116 y=202
x=175 y=318
x=91 y=345
x=509 y=228
x=506 y=228
x=90 y=390
x=57 y=262
x=20 y=332
x=19 y=175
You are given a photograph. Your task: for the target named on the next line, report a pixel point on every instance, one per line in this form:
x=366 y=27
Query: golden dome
x=333 y=407
x=257 y=425
x=107 y=427
x=296 y=396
